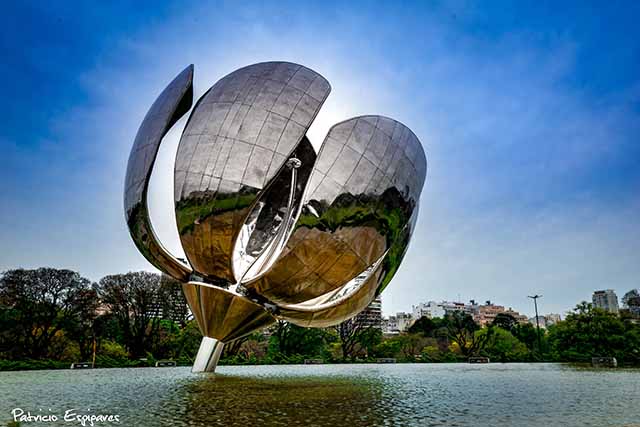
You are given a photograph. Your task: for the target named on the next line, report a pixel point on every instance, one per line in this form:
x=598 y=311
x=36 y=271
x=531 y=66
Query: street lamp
x=535 y=304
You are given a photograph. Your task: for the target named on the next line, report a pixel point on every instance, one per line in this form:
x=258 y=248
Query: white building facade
x=430 y=309
x=606 y=300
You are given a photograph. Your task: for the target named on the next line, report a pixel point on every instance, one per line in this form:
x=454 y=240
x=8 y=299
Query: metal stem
x=208 y=355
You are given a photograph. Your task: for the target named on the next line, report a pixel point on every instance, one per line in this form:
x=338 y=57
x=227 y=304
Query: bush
x=113 y=350
x=504 y=347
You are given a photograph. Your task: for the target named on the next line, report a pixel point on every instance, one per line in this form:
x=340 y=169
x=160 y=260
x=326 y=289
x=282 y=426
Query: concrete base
x=208 y=355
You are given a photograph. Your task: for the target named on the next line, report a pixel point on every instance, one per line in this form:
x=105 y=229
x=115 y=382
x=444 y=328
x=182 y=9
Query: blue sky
x=528 y=112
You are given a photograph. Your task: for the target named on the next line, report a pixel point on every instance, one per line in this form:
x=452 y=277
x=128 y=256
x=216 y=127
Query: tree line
x=58 y=315
x=50 y=317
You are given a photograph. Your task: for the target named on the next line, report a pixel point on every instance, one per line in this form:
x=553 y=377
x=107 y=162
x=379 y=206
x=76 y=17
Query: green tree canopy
x=133 y=298
x=502 y=346
x=505 y=321
x=37 y=304
x=428 y=327
x=588 y=332
x=288 y=339
x=357 y=338
x=461 y=329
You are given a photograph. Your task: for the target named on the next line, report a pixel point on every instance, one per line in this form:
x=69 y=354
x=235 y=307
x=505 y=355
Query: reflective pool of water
x=332 y=395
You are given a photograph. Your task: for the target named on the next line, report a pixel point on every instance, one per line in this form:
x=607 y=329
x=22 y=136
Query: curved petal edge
x=173 y=103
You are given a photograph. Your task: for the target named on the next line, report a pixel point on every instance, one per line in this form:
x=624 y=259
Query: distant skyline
x=529 y=113
x=525 y=312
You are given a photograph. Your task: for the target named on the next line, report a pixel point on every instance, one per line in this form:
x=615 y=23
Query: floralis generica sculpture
x=272 y=230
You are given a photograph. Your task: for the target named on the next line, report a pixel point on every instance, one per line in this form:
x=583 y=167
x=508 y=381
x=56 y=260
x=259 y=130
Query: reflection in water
x=279 y=400
x=523 y=395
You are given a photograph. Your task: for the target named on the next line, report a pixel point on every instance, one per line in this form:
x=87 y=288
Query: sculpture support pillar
x=208 y=355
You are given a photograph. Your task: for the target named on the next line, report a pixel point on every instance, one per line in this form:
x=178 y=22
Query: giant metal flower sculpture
x=270 y=229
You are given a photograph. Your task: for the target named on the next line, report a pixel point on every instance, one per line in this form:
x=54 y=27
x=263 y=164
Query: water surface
x=333 y=395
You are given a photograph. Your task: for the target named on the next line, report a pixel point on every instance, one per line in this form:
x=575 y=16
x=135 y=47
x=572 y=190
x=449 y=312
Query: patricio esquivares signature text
x=70 y=416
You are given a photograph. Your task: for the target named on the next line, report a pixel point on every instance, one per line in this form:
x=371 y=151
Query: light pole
x=535 y=304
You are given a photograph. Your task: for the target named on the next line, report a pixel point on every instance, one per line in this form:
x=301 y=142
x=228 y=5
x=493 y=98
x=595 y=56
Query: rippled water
x=333 y=395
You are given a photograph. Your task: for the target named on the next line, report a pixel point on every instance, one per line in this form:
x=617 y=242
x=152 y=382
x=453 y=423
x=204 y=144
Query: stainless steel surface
x=236 y=143
x=222 y=313
x=208 y=355
x=269 y=227
x=359 y=209
x=173 y=103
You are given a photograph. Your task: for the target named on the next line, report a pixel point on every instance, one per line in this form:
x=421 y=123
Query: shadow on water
x=244 y=401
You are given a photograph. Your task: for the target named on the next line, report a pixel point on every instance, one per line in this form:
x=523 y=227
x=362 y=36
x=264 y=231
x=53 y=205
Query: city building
x=386 y=329
x=485 y=314
x=552 y=319
x=371 y=316
x=546 y=320
x=430 y=310
x=401 y=322
x=606 y=300
x=451 y=307
x=520 y=318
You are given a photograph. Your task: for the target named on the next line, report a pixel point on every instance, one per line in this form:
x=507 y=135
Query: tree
x=357 y=338
x=411 y=345
x=502 y=346
x=247 y=347
x=588 y=332
x=80 y=326
x=632 y=343
x=188 y=341
x=528 y=335
x=165 y=341
x=37 y=304
x=172 y=302
x=107 y=327
x=390 y=347
x=426 y=326
x=369 y=338
x=133 y=298
x=232 y=348
x=288 y=339
x=255 y=347
x=631 y=301
x=631 y=298
x=505 y=321
x=461 y=329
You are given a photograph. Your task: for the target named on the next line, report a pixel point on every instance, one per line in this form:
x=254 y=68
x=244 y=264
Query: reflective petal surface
x=172 y=104
x=236 y=143
x=358 y=211
x=222 y=314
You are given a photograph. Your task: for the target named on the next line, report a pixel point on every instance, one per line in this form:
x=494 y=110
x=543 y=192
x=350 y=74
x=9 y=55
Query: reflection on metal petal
x=267 y=225
x=172 y=104
x=359 y=206
x=235 y=145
